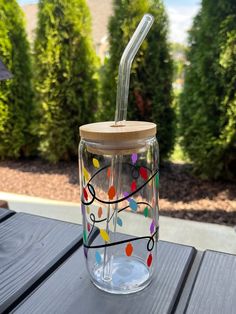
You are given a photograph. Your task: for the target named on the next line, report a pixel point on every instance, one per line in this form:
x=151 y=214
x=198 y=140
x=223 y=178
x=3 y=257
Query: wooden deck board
x=29 y=246
x=214 y=290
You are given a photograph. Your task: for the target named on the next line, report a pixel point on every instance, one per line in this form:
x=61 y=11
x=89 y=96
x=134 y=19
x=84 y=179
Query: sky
x=180 y=12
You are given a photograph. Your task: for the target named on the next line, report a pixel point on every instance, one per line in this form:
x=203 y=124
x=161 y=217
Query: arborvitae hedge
x=150 y=94
x=15 y=94
x=65 y=67
x=208 y=102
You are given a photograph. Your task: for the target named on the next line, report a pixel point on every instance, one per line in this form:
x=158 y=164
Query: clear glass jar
x=119 y=199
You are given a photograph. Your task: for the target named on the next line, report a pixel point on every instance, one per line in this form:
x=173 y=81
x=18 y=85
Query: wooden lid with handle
x=108 y=131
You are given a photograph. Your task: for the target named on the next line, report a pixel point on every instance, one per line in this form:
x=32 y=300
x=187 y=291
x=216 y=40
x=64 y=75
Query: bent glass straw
x=125 y=67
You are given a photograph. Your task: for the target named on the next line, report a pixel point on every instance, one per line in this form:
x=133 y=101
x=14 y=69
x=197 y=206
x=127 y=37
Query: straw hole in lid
x=118 y=124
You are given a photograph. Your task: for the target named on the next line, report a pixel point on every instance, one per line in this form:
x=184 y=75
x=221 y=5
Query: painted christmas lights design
x=89 y=195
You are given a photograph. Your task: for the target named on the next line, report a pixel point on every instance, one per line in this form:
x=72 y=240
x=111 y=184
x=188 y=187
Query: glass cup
x=119 y=180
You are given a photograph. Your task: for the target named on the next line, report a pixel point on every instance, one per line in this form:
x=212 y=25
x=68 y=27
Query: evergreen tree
x=150 y=95
x=15 y=94
x=65 y=67
x=208 y=102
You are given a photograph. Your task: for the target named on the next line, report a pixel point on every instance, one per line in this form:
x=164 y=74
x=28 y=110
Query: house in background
x=4 y=73
x=100 y=13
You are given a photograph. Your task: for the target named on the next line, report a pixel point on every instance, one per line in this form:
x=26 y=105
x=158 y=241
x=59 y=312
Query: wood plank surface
x=69 y=289
x=29 y=246
x=214 y=290
x=4 y=213
x=189 y=284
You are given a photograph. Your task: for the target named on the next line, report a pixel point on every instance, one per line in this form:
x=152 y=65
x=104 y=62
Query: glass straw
x=125 y=67
x=120 y=116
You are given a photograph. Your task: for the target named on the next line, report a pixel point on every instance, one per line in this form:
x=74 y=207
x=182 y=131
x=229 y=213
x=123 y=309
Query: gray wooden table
x=42 y=270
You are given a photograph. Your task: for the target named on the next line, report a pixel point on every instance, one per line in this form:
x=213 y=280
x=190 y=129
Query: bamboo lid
x=107 y=131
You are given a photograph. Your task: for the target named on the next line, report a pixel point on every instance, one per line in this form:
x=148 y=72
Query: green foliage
x=208 y=102
x=65 y=67
x=178 y=155
x=178 y=52
x=150 y=94
x=15 y=94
